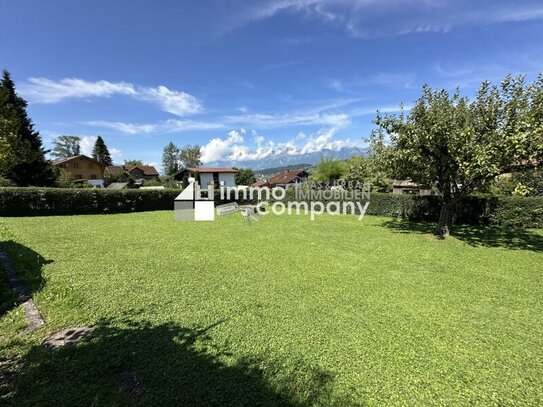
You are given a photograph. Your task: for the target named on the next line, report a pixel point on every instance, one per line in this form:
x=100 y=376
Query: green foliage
x=511 y=211
x=460 y=146
x=118 y=176
x=170 y=159
x=365 y=170
x=524 y=183
x=5 y=182
x=329 y=169
x=133 y=162
x=244 y=176
x=189 y=156
x=22 y=158
x=74 y=201
x=66 y=146
x=100 y=152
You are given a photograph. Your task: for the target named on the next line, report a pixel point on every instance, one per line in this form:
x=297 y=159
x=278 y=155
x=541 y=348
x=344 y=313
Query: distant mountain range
x=291 y=161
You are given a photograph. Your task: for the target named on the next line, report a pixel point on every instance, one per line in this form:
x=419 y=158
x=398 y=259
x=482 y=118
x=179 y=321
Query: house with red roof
x=220 y=177
x=286 y=179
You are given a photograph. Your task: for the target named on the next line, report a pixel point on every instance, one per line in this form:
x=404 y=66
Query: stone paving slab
x=33 y=317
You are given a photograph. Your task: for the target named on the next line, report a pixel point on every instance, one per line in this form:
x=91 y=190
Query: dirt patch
x=67 y=336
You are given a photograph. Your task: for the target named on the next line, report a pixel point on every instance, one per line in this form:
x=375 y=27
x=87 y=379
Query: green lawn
x=283 y=312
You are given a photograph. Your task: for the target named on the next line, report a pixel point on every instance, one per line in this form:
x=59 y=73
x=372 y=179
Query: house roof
x=286 y=177
x=73 y=157
x=211 y=170
x=113 y=169
x=260 y=184
x=148 y=170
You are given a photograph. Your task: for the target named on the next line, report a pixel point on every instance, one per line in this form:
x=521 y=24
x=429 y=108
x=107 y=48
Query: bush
x=64 y=201
x=510 y=211
x=6 y=182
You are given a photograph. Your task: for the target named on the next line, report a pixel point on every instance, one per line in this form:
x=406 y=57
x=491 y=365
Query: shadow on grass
x=487 y=236
x=28 y=266
x=131 y=363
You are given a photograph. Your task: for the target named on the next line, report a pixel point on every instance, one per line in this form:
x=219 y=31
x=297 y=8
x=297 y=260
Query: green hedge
x=510 y=211
x=475 y=210
x=71 y=201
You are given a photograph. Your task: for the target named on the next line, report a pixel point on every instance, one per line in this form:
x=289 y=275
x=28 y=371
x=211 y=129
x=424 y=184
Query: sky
x=249 y=79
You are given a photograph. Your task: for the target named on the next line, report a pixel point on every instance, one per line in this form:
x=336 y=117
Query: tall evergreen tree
x=22 y=157
x=66 y=146
x=170 y=159
x=100 y=152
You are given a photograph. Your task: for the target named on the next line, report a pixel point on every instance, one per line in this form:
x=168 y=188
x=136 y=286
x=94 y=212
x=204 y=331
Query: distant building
x=410 y=187
x=261 y=184
x=287 y=178
x=136 y=172
x=81 y=167
x=220 y=177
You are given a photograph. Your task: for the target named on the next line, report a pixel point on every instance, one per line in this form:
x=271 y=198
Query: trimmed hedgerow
x=508 y=211
x=64 y=201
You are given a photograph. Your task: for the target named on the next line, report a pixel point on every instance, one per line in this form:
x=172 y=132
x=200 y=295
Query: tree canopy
x=22 y=157
x=100 y=152
x=244 y=176
x=457 y=145
x=189 y=156
x=66 y=146
x=170 y=159
x=133 y=162
x=329 y=169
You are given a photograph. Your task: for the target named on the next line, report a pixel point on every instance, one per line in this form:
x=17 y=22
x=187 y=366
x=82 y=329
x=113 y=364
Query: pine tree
x=100 y=152
x=22 y=157
x=170 y=159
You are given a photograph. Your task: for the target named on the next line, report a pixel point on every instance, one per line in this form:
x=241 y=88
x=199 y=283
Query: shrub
x=57 y=201
x=510 y=211
x=6 y=182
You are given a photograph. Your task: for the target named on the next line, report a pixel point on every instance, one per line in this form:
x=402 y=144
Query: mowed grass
x=283 y=312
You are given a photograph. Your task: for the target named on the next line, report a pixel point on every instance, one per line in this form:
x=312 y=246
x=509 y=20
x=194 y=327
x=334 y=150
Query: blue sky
x=249 y=79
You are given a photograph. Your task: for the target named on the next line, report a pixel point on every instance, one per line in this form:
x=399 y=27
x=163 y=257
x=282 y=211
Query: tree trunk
x=444 y=220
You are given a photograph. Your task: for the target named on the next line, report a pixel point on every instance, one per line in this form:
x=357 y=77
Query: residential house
x=260 y=184
x=81 y=167
x=224 y=177
x=289 y=178
x=136 y=172
x=410 y=187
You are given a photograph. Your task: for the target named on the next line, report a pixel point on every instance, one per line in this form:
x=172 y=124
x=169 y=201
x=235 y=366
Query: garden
x=284 y=312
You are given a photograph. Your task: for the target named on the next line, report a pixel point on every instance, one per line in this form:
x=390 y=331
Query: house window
x=93 y=176
x=76 y=165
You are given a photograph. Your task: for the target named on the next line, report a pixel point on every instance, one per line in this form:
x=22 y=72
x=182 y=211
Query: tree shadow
x=137 y=363
x=477 y=236
x=27 y=267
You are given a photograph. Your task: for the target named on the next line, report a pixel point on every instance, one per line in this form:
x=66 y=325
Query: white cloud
x=87 y=144
x=168 y=126
x=171 y=101
x=42 y=90
x=218 y=148
x=233 y=147
x=381 y=18
x=263 y=120
x=115 y=153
